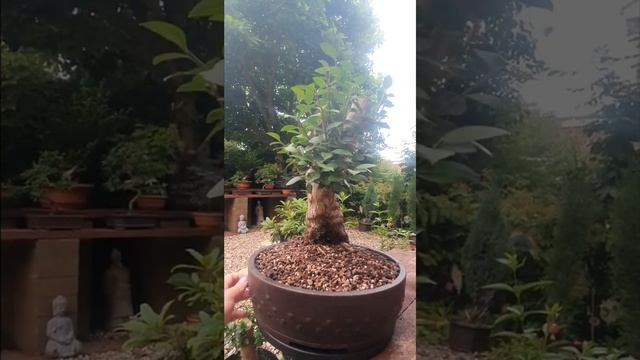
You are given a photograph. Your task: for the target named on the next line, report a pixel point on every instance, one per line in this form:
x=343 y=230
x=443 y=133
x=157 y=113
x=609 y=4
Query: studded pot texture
x=347 y=322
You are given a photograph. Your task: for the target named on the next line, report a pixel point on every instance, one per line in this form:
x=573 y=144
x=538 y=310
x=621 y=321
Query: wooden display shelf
x=27 y=234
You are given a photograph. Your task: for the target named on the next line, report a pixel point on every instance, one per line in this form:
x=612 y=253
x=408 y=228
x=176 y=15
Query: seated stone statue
x=61 y=341
x=242 y=225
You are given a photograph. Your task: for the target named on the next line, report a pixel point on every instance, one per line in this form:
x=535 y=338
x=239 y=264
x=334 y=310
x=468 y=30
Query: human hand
x=235 y=290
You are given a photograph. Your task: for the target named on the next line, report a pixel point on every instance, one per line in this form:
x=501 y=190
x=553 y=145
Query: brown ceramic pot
x=470 y=338
x=287 y=192
x=243 y=185
x=151 y=202
x=268 y=186
x=207 y=220
x=345 y=322
x=77 y=197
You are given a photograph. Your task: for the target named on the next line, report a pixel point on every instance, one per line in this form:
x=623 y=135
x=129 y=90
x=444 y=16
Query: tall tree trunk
x=325 y=224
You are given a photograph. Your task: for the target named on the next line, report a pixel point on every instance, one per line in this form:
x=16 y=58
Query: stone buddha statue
x=242 y=225
x=118 y=290
x=259 y=214
x=61 y=341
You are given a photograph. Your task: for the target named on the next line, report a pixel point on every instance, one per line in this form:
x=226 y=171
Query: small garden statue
x=242 y=225
x=259 y=213
x=61 y=341
x=118 y=290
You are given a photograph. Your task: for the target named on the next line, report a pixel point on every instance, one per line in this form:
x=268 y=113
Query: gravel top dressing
x=343 y=267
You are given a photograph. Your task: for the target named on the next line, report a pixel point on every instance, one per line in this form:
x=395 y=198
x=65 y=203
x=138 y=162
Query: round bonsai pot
x=151 y=202
x=287 y=192
x=75 y=198
x=207 y=220
x=243 y=185
x=365 y=227
x=268 y=186
x=350 y=322
x=467 y=337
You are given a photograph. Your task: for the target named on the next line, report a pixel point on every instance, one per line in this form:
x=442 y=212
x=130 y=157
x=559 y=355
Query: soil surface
x=342 y=267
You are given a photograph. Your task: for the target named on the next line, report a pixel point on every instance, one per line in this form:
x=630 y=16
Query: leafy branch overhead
x=330 y=138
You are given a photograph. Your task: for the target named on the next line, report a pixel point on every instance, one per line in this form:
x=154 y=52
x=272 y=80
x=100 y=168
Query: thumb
x=237 y=290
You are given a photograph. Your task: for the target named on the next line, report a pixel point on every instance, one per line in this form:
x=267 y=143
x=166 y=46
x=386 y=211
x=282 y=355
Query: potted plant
x=53 y=182
x=267 y=175
x=470 y=331
x=140 y=163
x=240 y=180
x=300 y=311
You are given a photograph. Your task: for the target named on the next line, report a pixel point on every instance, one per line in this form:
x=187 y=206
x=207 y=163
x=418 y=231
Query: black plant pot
x=470 y=338
x=364 y=227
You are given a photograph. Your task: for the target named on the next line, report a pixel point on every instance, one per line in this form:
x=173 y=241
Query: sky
x=396 y=57
x=571 y=45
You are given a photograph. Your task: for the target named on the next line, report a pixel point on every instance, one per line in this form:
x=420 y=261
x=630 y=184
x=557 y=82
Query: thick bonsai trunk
x=325 y=224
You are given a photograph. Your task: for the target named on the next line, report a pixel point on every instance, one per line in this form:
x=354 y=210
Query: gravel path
x=239 y=247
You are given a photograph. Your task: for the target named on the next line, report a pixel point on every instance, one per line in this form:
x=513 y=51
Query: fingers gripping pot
x=346 y=322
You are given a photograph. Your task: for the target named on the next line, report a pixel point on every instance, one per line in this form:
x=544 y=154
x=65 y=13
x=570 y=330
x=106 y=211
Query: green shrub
x=289 y=221
x=432 y=322
x=626 y=254
x=368 y=201
x=486 y=242
x=142 y=161
x=202 y=290
x=394 y=205
x=267 y=174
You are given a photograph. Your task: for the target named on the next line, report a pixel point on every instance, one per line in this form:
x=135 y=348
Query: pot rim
x=399 y=279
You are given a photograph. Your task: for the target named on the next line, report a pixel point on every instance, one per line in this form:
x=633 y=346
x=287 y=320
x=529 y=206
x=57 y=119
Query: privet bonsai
x=141 y=162
x=267 y=174
x=331 y=140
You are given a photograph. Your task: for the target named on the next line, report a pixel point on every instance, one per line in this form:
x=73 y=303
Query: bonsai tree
x=141 y=162
x=267 y=174
x=239 y=177
x=53 y=169
x=332 y=140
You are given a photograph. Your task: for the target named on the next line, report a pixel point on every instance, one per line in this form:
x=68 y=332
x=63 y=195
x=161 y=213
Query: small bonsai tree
x=332 y=140
x=239 y=177
x=267 y=174
x=142 y=161
x=53 y=169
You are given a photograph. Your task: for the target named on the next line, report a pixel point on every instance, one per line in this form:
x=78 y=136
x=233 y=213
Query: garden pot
x=365 y=227
x=268 y=186
x=348 y=325
x=151 y=202
x=77 y=197
x=286 y=192
x=243 y=185
x=470 y=338
x=207 y=220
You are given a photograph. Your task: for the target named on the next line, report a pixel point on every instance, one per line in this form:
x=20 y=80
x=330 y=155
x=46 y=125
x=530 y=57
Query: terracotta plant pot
x=268 y=186
x=287 y=192
x=151 y=202
x=77 y=197
x=208 y=220
x=243 y=185
x=470 y=338
x=364 y=227
x=352 y=322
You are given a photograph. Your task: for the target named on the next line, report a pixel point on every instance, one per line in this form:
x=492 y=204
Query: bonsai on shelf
x=204 y=185
x=240 y=180
x=330 y=144
x=140 y=163
x=53 y=181
x=267 y=175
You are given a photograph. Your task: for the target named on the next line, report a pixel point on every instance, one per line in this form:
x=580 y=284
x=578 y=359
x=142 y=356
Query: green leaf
x=467 y=134
x=320 y=81
x=169 y=32
x=448 y=172
x=365 y=166
x=342 y=152
x=294 y=180
x=169 y=56
x=499 y=287
x=197 y=84
x=215 y=115
x=299 y=91
x=211 y=9
x=291 y=129
x=217 y=190
x=433 y=155
x=274 y=135
x=421 y=279
x=329 y=50
x=489 y=100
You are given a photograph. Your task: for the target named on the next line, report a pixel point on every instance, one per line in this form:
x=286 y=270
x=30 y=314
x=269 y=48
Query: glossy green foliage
x=289 y=220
